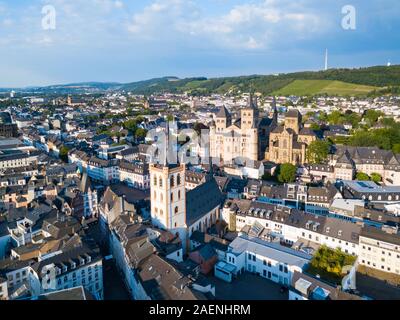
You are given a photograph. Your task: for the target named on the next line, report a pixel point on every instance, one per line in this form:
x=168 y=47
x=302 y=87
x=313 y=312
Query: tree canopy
x=317 y=151
x=287 y=173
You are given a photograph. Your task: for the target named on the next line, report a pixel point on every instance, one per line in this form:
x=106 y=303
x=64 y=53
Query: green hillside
x=330 y=87
x=361 y=81
x=333 y=81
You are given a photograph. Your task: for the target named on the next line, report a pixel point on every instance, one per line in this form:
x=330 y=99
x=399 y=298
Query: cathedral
x=245 y=137
x=288 y=143
x=251 y=137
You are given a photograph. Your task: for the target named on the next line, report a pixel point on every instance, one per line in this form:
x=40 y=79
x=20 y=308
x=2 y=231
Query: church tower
x=249 y=115
x=168 y=197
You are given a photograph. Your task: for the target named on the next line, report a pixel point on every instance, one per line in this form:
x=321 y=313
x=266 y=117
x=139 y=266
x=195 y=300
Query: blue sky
x=129 y=40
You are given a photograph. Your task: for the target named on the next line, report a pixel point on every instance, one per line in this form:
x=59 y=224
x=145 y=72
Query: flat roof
x=370 y=187
x=274 y=251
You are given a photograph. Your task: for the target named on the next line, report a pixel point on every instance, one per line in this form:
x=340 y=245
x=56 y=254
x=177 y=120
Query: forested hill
x=362 y=81
x=373 y=77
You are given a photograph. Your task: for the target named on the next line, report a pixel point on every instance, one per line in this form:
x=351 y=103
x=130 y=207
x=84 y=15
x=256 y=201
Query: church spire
x=275 y=110
x=166 y=144
x=251 y=103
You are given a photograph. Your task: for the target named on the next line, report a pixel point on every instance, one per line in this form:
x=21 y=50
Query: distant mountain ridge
x=375 y=78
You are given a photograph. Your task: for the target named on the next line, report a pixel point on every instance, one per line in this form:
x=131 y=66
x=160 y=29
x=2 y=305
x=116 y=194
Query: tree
x=396 y=148
x=376 y=177
x=130 y=125
x=287 y=173
x=362 y=176
x=141 y=133
x=315 y=127
x=64 y=153
x=318 y=151
x=372 y=116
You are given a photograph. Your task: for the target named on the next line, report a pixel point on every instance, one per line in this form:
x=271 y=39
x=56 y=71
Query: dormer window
x=327 y=229
x=340 y=233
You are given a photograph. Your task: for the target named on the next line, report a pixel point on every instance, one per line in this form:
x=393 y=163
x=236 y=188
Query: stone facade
x=288 y=143
x=245 y=137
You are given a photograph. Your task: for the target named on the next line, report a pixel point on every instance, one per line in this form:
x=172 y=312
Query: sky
x=45 y=42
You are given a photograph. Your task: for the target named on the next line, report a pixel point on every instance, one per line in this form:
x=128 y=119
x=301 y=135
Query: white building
x=269 y=260
x=380 y=249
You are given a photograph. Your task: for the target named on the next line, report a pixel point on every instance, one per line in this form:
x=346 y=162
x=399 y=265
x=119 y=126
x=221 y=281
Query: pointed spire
x=274 y=108
x=251 y=103
x=166 y=144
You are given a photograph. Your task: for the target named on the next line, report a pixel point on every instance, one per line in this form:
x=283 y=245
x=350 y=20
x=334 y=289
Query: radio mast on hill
x=326 y=59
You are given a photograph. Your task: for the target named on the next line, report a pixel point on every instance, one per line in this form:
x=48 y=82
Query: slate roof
x=223 y=113
x=202 y=200
x=379 y=234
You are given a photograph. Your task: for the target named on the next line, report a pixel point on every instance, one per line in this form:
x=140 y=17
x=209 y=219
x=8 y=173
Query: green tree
x=396 y=148
x=315 y=127
x=287 y=173
x=372 y=116
x=64 y=153
x=318 y=151
x=376 y=177
x=130 y=125
x=141 y=133
x=362 y=176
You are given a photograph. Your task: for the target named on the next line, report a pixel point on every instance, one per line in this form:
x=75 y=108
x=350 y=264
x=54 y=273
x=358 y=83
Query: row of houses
x=300 y=229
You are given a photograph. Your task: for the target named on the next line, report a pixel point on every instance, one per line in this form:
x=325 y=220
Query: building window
x=178 y=179
x=172 y=181
x=176 y=210
x=160 y=182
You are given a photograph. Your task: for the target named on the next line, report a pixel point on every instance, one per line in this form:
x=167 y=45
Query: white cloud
x=248 y=26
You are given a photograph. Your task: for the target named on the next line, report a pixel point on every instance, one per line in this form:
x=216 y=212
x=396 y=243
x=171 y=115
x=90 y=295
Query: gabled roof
x=202 y=200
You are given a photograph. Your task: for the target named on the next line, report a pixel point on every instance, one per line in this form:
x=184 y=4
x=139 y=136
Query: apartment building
x=380 y=249
x=293 y=225
x=134 y=174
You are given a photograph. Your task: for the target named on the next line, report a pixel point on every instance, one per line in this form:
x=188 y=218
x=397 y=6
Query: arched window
x=161 y=212
x=155 y=180
x=155 y=195
x=161 y=197
x=176 y=210
x=178 y=180
x=160 y=182
x=172 y=196
x=179 y=195
x=172 y=181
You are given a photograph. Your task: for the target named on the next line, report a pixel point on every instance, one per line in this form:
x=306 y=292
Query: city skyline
x=133 y=41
